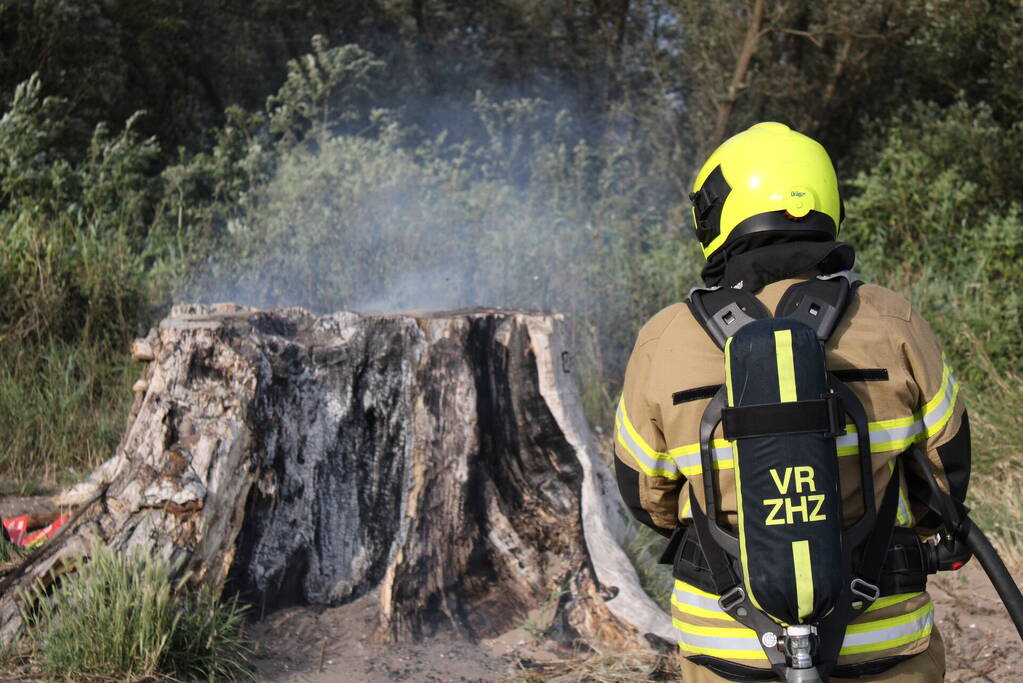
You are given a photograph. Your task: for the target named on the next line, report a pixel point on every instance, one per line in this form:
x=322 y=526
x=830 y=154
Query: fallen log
x=440 y=461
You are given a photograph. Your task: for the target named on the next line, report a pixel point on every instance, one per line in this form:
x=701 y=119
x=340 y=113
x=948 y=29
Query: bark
x=836 y=74
x=739 y=73
x=438 y=461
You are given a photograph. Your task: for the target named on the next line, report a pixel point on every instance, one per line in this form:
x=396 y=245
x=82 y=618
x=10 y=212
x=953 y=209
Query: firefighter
x=767 y=213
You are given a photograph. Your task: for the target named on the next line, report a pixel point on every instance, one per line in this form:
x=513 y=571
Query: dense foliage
x=431 y=153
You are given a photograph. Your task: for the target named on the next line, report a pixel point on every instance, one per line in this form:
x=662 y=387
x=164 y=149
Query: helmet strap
x=708 y=202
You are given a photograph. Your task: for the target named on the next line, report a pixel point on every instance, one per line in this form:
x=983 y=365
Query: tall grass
x=996 y=421
x=63 y=408
x=123 y=617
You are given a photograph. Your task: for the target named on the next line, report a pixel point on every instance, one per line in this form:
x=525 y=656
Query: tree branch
x=805 y=34
x=836 y=72
x=749 y=48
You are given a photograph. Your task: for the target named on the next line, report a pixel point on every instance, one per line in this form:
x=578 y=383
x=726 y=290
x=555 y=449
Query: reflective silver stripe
x=917 y=628
x=719 y=643
x=864 y=636
x=690 y=463
x=939 y=414
x=651 y=465
x=904 y=516
x=906 y=431
x=893 y=437
x=686 y=460
x=687 y=598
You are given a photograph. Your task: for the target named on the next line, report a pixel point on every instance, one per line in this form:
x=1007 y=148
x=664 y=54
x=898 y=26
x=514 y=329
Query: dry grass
x=995 y=405
x=602 y=664
x=996 y=495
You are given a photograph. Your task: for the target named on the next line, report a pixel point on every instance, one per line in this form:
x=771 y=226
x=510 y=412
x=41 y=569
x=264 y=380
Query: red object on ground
x=17 y=529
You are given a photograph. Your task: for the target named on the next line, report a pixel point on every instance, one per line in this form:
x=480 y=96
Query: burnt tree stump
x=440 y=461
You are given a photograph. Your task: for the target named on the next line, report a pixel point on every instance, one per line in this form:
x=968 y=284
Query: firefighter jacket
x=895 y=367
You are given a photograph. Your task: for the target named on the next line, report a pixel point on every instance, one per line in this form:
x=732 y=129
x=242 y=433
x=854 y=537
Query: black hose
x=995 y=569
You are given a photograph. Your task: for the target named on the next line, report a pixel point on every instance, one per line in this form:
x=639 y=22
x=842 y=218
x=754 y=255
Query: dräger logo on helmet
x=799 y=203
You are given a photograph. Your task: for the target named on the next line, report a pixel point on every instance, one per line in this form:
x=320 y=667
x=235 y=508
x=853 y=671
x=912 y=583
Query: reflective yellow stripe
x=880 y=442
x=682 y=460
x=887 y=644
x=690 y=453
x=697 y=611
x=804 y=578
x=738 y=475
x=691 y=600
x=722 y=653
x=899 y=433
x=943 y=420
x=889 y=600
x=715 y=631
x=640 y=441
x=723 y=642
x=895 y=434
x=728 y=371
x=653 y=463
x=903 y=516
x=883 y=634
x=693 y=590
x=898 y=620
x=939 y=410
x=738 y=642
x=946 y=375
x=786 y=368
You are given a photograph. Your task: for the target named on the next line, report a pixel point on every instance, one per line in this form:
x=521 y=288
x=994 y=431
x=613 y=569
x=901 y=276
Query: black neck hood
x=755 y=265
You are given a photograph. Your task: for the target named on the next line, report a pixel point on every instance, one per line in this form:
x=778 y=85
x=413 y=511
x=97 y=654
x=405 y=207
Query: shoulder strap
x=820 y=302
x=723 y=311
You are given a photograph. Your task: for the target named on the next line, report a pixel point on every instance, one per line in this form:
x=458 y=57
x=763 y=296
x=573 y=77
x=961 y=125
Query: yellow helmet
x=766 y=178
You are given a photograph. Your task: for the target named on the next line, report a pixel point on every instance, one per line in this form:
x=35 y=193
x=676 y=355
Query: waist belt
x=905 y=565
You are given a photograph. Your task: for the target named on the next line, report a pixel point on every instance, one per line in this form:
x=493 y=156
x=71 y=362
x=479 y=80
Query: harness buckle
x=732 y=599
x=836 y=415
x=865 y=590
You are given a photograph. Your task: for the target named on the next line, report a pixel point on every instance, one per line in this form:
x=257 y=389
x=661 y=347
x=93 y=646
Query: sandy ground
x=324 y=645
x=315 y=645
x=980 y=640
x=321 y=645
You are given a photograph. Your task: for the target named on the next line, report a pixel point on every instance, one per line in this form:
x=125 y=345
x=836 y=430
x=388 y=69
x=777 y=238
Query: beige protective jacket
x=657 y=451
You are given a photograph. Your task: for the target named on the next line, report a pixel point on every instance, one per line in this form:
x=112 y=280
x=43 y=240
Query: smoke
x=532 y=216
x=364 y=223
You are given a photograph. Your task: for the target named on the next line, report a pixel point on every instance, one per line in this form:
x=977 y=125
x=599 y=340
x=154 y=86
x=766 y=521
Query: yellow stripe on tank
x=786 y=365
x=804 y=578
x=738 y=478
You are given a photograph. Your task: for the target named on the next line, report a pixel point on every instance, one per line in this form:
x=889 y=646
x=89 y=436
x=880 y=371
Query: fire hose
x=1004 y=584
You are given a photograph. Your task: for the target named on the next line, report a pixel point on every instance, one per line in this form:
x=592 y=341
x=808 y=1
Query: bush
x=77 y=259
x=148 y=624
x=935 y=215
x=945 y=226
